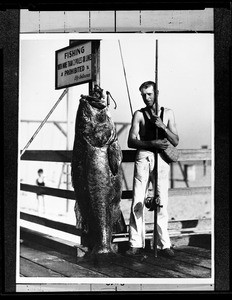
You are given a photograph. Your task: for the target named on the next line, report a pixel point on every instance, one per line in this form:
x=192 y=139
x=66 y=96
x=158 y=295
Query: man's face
x=148 y=96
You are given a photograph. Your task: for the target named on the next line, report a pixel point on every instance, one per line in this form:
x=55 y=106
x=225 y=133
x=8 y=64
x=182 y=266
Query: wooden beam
x=48 y=191
x=60 y=128
x=184 y=174
x=48 y=155
x=125 y=194
x=50 y=223
x=128 y=155
x=195 y=154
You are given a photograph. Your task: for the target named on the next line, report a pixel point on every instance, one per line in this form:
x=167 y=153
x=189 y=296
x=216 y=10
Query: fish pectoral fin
x=114 y=157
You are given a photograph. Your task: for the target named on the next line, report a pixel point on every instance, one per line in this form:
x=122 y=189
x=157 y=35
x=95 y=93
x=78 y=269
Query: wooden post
x=95 y=65
x=204 y=161
x=68 y=142
x=172 y=175
x=156 y=199
x=95 y=61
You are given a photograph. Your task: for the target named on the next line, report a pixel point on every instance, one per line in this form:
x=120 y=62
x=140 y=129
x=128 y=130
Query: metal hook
x=108 y=99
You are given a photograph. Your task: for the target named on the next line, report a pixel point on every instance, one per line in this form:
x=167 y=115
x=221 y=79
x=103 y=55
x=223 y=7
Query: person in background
x=142 y=136
x=40 y=196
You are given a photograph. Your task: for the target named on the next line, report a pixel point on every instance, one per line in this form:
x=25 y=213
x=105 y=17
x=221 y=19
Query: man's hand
x=155 y=119
x=160 y=144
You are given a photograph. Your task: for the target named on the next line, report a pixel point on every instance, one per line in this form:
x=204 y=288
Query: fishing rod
x=156 y=198
x=153 y=203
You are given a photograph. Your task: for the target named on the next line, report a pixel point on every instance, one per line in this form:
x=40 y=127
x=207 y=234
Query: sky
x=185 y=82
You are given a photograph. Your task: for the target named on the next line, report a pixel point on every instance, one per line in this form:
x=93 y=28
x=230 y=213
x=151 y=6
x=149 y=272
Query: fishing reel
x=152 y=203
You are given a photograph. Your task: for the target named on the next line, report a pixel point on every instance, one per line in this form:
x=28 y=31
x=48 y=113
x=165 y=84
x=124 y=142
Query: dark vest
x=150 y=128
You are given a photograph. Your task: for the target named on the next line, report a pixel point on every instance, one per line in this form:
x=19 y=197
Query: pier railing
x=186 y=155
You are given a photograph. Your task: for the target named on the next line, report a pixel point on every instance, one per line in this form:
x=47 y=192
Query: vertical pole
x=70 y=134
x=95 y=65
x=204 y=161
x=156 y=159
x=172 y=175
x=67 y=144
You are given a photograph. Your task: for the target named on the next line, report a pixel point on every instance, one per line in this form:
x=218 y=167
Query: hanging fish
x=97 y=175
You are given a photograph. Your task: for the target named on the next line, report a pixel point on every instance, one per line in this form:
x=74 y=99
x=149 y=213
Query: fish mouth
x=95 y=102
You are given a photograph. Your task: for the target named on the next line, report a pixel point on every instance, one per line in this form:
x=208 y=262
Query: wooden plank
x=177 y=267
x=186 y=268
x=195 y=259
x=176 y=191
x=31 y=269
x=128 y=155
x=194 y=154
x=48 y=191
x=123 y=266
x=105 y=268
x=178 y=226
x=199 y=251
x=201 y=239
x=189 y=191
x=55 y=263
x=141 y=264
x=110 y=269
x=50 y=223
x=193 y=223
x=48 y=241
x=122 y=260
x=163 y=268
x=48 y=155
x=194 y=238
x=125 y=194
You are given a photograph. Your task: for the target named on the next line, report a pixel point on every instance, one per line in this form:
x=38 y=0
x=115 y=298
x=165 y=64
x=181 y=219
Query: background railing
x=63 y=156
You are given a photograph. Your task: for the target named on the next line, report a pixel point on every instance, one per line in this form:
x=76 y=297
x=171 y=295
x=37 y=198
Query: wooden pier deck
x=60 y=259
x=44 y=257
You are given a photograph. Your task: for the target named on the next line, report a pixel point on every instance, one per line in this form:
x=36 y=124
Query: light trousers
x=143 y=176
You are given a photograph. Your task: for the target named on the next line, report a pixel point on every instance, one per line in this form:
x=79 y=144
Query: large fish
x=97 y=175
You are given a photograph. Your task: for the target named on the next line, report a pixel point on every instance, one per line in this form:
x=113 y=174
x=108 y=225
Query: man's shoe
x=134 y=251
x=167 y=252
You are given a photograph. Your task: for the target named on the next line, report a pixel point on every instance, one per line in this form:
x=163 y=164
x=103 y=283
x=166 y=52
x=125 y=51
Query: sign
x=73 y=65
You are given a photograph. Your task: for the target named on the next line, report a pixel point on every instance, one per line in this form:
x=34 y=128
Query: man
x=142 y=136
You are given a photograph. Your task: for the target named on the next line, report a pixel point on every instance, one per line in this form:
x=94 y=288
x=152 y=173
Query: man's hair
x=146 y=84
x=40 y=171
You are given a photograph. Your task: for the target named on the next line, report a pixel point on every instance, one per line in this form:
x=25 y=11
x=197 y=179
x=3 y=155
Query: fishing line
x=43 y=122
x=125 y=77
